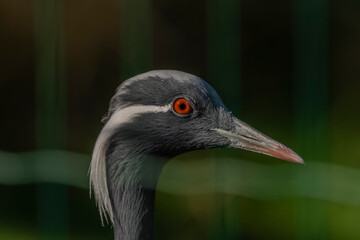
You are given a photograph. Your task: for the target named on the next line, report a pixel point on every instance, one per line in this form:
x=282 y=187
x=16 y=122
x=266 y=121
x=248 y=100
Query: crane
x=152 y=118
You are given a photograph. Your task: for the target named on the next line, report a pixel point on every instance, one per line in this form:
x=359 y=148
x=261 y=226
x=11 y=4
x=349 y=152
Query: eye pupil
x=182 y=106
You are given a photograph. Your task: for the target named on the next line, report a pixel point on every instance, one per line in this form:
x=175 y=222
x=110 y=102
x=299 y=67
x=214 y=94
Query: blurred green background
x=289 y=68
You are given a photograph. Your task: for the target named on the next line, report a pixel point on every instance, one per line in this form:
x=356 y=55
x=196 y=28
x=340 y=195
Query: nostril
x=252 y=138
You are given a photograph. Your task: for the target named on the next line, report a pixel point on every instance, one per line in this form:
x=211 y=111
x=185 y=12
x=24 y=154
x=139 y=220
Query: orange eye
x=182 y=106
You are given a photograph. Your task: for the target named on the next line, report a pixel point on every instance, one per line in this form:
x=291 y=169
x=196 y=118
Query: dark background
x=289 y=68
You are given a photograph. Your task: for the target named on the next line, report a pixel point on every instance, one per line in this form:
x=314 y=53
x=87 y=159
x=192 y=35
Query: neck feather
x=131 y=181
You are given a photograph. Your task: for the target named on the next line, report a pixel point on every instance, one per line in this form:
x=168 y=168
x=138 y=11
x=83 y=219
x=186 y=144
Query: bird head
x=167 y=113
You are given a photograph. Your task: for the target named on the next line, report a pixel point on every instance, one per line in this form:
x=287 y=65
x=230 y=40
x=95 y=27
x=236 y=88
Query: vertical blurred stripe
x=224 y=46
x=223 y=72
x=311 y=76
x=52 y=200
x=136 y=22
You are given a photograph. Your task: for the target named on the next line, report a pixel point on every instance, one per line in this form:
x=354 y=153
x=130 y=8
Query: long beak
x=246 y=137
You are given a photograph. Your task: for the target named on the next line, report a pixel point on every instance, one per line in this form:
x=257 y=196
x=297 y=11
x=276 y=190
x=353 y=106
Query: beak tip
x=297 y=159
x=287 y=154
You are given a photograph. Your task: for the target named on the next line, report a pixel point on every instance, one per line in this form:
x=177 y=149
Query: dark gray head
x=153 y=126
x=142 y=119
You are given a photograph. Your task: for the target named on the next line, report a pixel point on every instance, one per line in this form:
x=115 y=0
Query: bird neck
x=132 y=182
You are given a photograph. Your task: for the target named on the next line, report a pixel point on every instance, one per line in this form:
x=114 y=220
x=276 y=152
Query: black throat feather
x=131 y=179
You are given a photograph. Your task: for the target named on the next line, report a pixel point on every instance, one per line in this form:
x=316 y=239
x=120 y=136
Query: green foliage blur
x=288 y=68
